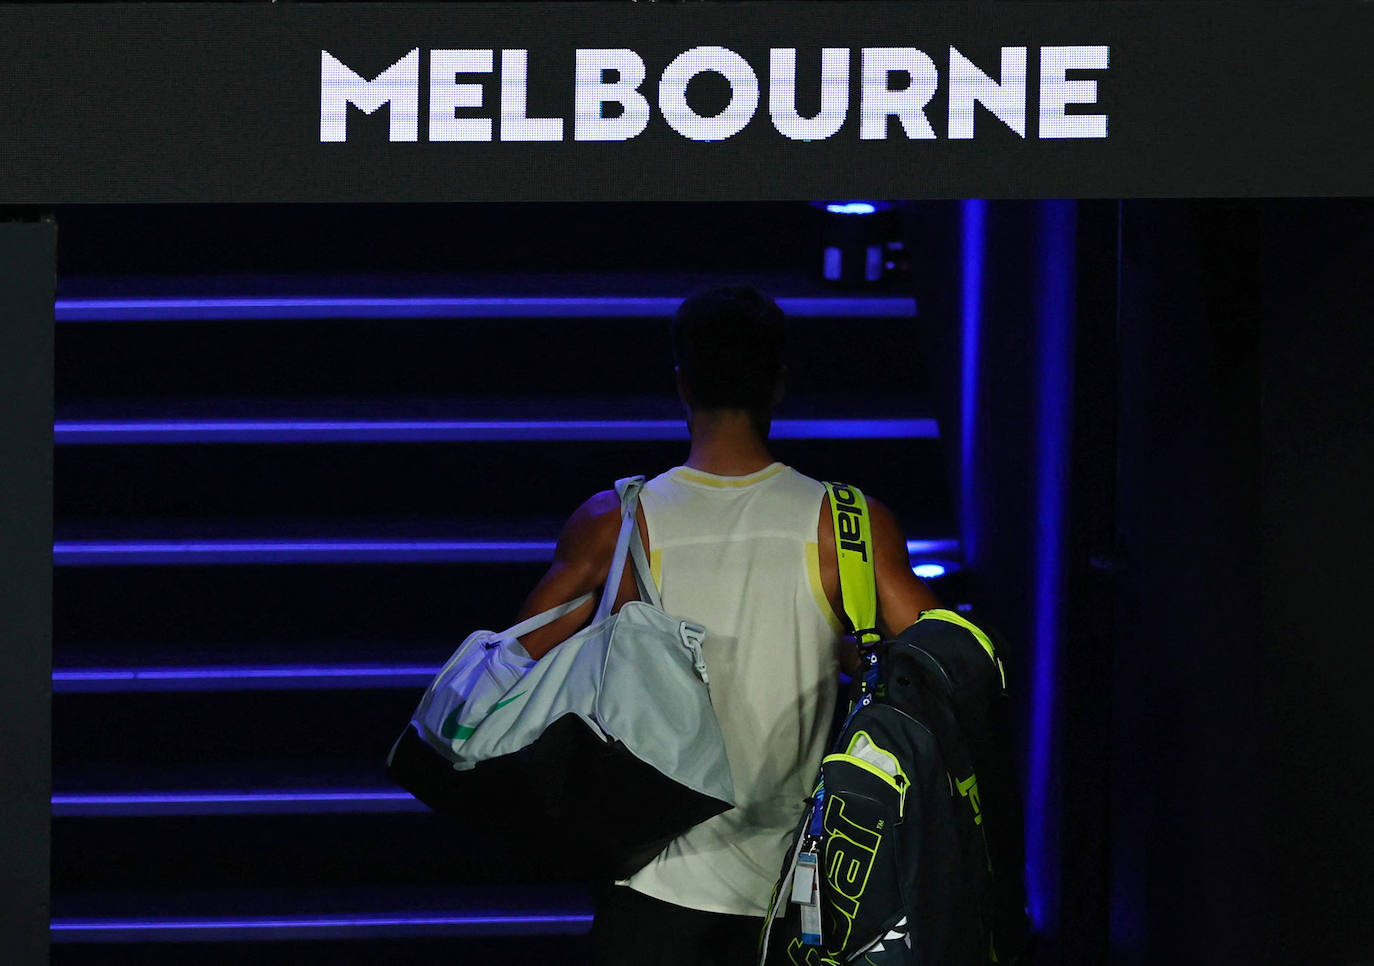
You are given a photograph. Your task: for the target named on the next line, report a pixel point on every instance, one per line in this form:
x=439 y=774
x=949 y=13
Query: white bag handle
x=628 y=544
x=544 y=617
x=628 y=490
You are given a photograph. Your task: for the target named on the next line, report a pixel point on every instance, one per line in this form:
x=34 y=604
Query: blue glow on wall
x=973 y=241
x=929 y=571
x=1055 y=236
x=851 y=208
x=924 y=547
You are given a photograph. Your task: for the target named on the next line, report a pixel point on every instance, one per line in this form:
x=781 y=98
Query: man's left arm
x=901 y=594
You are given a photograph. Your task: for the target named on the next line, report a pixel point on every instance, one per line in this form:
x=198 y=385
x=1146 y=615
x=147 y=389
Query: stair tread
x=456 y=408
x=472 y=285
x=330 y=900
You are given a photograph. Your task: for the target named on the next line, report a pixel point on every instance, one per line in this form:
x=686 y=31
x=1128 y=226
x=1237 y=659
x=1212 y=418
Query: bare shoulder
x=592 y=525
x=597 y=507
x=881 y=517
x=901 y=594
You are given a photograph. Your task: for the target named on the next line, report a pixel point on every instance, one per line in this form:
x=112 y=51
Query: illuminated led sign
x=894 y=83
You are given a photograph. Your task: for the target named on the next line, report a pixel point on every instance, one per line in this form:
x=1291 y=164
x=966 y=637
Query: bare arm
x=581 y=562
x=901 y=594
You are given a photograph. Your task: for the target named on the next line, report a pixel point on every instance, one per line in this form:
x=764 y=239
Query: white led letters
x=398 y=85
x=907 y=103
x=592 y=91
x=608 y=103
x=1005 y=98
x=744 y=93
x=782 y=94
x=1056 y=92
x=446 y=95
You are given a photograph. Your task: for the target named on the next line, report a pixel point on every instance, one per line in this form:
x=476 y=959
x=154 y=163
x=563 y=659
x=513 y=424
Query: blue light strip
x=238 y=678
x=926 y=548
x=973 y=242
x=1055 y=230
x=107 y=432
x=153 y=552
x=316 y=927
x=464 y=307
x=312 y=802
x=157 y=552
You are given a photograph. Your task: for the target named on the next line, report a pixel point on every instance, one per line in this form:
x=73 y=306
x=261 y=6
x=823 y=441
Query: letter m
x=398 y=85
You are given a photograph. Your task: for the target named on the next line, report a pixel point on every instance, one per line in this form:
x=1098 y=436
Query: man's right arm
x=581 y=563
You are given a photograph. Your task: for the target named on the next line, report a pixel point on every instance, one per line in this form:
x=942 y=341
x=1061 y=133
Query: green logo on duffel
x=451 y=729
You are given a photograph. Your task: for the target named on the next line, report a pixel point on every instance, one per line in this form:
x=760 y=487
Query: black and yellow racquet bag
x=911 y=850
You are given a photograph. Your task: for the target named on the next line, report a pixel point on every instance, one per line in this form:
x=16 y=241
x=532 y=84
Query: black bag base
x=623 y=813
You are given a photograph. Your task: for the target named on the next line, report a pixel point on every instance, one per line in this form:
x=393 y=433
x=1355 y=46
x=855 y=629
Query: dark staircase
x=284 y=494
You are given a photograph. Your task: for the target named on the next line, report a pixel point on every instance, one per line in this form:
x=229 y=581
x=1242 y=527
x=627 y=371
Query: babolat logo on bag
x=848 y=512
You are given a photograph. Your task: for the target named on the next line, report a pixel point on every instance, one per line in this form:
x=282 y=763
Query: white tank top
x=738 y=554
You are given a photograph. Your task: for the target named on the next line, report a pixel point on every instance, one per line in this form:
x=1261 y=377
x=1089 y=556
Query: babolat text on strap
x=854 y=551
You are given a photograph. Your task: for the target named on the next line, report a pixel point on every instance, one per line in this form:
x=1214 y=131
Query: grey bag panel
x=654 y=700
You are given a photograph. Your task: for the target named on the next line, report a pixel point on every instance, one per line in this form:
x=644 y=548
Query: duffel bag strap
x=628 y=490
x=546 y=617
x=854 y=552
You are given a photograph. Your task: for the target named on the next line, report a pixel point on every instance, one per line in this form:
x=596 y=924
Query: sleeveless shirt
x=738 y=554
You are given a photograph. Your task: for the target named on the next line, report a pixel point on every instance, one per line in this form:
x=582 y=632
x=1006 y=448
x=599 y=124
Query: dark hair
x=727 y=343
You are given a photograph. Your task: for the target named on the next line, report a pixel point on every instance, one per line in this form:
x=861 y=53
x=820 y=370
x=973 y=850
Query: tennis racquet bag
x=915 y=830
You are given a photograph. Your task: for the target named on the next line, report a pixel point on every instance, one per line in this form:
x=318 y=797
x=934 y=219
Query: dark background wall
x=1211 y=792
x=1241 y=767
x=1317 y=557
x=27 y=283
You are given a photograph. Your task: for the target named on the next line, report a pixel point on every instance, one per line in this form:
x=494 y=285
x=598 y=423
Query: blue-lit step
x=246 y=915
x=268 y=783
x=302 y=801
x=371 y=429
x=92 y=679
x=554 y=336
x=506 y=294
x=161 y=542
x=524 y=950
x=227 y=741
x=221 y=458
x=326 y=613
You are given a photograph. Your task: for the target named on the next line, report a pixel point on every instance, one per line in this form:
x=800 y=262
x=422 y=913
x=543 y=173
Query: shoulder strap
x=854 y=552
x=639 y=559
x=628 y=491
x=627 y=545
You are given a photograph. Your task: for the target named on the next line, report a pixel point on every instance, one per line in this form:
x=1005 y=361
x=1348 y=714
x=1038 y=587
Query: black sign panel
x=599 y=101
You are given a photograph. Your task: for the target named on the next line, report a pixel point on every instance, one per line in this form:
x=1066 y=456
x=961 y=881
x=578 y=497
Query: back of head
x=727 y=343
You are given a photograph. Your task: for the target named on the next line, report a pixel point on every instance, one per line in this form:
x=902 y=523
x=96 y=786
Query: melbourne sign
x=610 y=103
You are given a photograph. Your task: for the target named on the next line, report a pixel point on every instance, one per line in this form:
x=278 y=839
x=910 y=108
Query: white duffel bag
x=595 y=756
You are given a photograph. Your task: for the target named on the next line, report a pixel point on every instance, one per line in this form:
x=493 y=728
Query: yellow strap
x=940 y=614
x=854 y=551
